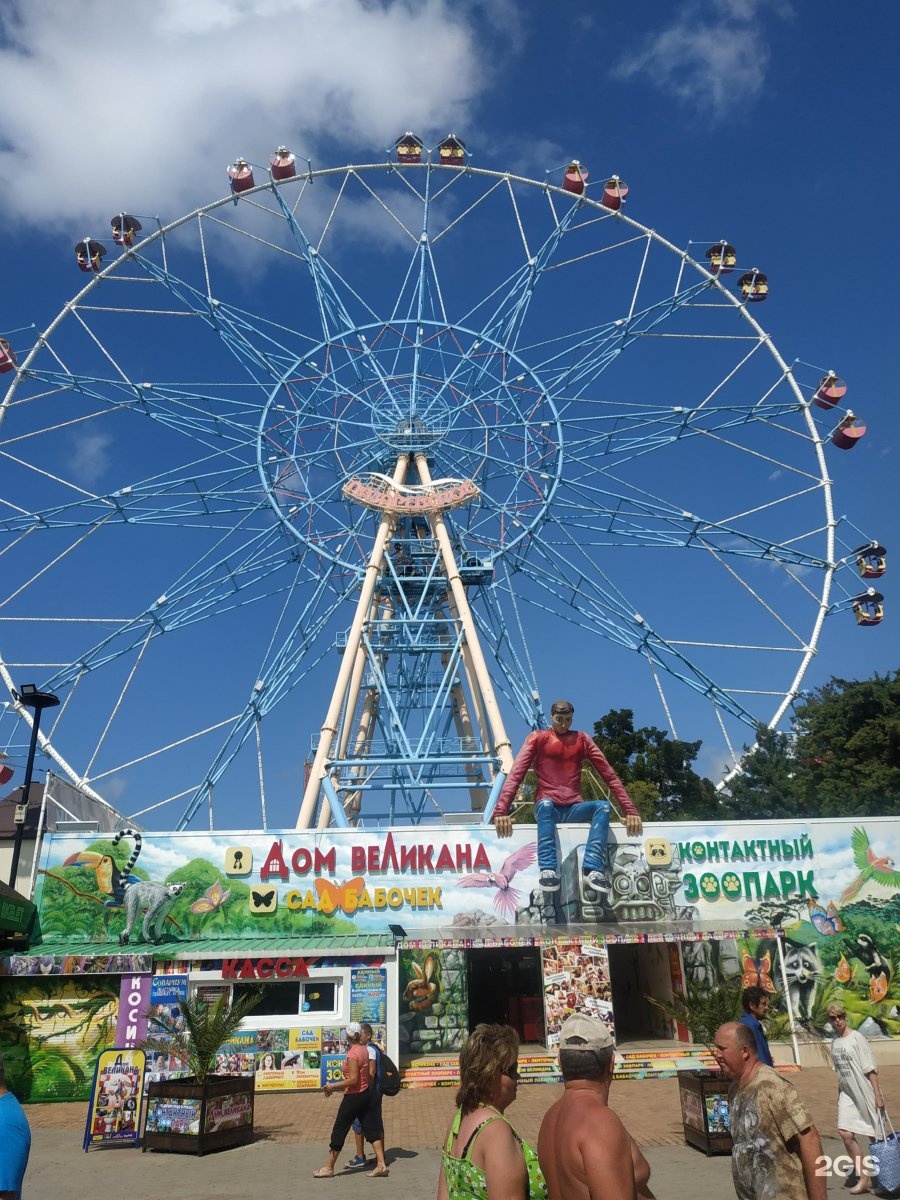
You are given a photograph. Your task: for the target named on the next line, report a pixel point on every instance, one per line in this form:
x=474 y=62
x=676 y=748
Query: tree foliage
x=207 y=1027
x=842 y=757
x=656 y=769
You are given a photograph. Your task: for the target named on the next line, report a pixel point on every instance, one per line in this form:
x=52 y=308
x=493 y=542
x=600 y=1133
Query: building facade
x=426 y=931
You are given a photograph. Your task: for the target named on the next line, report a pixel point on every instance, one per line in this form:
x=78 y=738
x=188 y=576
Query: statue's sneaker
x=549 y=881
x=597 y=881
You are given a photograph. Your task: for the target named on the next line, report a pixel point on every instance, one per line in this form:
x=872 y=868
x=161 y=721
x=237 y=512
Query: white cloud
x=91 y=454
x=713 y=56
x=105 y=106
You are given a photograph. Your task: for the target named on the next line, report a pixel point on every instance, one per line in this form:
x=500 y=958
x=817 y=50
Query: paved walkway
x=292 y=1132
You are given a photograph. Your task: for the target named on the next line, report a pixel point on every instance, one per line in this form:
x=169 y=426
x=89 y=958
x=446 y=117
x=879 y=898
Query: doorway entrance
x=637 y=971
x=505 y=987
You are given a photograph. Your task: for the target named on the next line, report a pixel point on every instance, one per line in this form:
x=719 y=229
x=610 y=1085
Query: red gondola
x=282 y=164
x=614 y=192
x=7 y=357
x=240 y=174
x=722 y=258
x=89 y=254
x=830 y=390
x=125 y=228
x=848 y=433
x=409 y=148
x=868 y=607
x=452 y=151
x=871 y=559
x=754 y=286
x=575 y=177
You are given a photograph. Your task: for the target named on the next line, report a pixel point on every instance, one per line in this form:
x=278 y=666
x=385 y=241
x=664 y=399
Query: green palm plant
x=703 y=1009
x=206 y=1028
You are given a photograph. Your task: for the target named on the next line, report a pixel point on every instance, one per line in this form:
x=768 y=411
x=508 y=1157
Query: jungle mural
x=434 y=1004
x=842 y=950
x=52 y=1028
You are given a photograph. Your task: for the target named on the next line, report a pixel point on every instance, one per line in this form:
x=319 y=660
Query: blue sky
x=755 y=122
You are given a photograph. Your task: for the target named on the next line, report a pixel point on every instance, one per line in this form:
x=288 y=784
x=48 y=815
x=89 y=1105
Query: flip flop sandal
x=323 y=1173
x=379 y=1173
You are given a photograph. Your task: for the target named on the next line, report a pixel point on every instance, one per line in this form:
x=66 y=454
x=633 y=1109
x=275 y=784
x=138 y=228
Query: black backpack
x=387 y=1077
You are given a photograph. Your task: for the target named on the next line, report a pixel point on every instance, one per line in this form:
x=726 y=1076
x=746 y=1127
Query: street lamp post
x=31 y=698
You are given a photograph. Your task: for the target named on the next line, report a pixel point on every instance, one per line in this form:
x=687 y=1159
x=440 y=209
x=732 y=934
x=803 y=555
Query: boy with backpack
x=384 y=1080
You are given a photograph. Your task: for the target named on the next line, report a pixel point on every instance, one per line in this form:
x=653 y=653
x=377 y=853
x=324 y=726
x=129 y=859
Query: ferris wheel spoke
x=504 y=324
x=573 y=365
x=600 y=611
x=280 y=673
x=235 y=581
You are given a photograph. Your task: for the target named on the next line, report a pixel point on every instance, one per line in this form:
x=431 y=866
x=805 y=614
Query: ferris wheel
x=423 y=428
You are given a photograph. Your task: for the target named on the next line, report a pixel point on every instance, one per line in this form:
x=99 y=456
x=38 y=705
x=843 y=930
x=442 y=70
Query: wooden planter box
x=704 y=1110
x=192 y=1116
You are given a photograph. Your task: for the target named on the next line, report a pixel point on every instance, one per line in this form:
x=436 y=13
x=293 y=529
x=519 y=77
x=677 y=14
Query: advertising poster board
x=115 y=1104
x=134 y=1000
x=229 y=1112
x=291 y=1061
x=166 y=993
x=576 y=979
x=173 y=1114
x=368 y=995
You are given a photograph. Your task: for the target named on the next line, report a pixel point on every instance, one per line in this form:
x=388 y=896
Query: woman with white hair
x=859 y=1092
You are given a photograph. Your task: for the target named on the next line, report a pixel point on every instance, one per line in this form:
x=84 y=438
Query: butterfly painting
x=333 y=896
x=264 y=899
x=213 y=900
x=757 y=972
x=878 y=987
x=843 y=972
x=826 y=920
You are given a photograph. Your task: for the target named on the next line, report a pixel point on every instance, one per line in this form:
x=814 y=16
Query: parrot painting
x=872 y=867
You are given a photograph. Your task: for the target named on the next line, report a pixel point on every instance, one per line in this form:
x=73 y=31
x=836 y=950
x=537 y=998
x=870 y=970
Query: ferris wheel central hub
x=425 y=422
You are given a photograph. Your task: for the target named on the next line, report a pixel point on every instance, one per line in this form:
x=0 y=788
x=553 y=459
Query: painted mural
x=434 y=1001
x=832 y=886
x=51 y=1030
x=137 y=890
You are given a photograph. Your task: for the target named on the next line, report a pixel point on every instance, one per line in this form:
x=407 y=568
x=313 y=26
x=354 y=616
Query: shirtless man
x=557 y=756
x=586 y=1152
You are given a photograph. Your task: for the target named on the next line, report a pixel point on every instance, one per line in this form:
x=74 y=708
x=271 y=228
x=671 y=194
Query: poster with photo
x=576 y=979
x=291 y=1062
x=173 y=1114
x=237 y=1056
x=167 y=993
x=114 y=1110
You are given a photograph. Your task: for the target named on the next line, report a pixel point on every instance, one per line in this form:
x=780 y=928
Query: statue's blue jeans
x=548 y=815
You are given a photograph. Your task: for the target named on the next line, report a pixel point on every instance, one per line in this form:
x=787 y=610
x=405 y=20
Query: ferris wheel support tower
x=419 y=602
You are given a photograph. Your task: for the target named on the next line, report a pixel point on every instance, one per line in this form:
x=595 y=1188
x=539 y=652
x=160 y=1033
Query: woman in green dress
x=484 y=1158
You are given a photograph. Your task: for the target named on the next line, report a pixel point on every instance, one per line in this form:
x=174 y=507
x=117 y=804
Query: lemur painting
x=154 y=900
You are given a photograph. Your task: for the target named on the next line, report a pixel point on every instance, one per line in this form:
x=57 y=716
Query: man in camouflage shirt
x=776 y=1146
